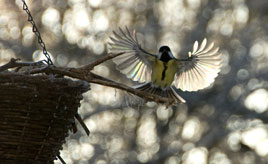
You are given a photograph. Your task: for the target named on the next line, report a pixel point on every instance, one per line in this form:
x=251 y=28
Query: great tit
x=161 y=73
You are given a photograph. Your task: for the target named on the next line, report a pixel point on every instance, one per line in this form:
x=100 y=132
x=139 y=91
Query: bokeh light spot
x=257 y=100
x=94 y=3
x=62 y=60
x=191 y=129
x=100 y=21
x=38 y=56
x=241 y=14
x=196 y=156
x=50 y=17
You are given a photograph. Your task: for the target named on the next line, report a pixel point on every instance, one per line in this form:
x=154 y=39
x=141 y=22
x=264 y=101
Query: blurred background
x=224 y=124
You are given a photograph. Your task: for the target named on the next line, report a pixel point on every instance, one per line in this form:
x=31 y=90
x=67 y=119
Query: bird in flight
x=161 y=73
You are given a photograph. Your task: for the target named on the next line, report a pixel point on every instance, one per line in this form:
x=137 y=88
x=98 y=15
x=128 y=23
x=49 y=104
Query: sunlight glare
x=196 y=156
x=28 y=36
x=257 y=100
x=100 y=21
x=95 y=3
x=50 y=17
x=191 y=129
x=87 y=151
x=81 y=18
x=147 y=132
x=163 y=112
x=241 y=14
x=38 y=56
x=253 y=136
x=262 y=147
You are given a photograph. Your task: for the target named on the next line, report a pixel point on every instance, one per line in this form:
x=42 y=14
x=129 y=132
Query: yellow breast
x=163 y=73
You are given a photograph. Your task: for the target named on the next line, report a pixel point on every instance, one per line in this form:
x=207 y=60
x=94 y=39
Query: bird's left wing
x=135 y=63
x=200 y=69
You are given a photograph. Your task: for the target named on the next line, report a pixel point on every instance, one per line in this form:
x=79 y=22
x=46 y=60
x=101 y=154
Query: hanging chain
x=37 y=33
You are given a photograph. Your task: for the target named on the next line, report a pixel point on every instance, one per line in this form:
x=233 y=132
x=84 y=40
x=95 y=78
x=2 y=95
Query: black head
x=164 y=48
x=165 y=54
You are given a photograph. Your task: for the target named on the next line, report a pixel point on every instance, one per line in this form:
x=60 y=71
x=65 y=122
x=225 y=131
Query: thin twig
x=80 y=120
x=62 y=161
x=74 y=127
x=101 y=60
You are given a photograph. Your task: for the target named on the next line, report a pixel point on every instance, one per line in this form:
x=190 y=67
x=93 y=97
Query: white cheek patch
x=170 y=54
x=159 y=55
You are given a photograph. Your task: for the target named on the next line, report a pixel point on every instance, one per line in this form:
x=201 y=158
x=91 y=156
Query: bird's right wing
x=200 y=69
x=135 y=63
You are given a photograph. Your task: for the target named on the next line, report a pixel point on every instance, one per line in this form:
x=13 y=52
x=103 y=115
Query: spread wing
x=135 y=63
x=200 y=69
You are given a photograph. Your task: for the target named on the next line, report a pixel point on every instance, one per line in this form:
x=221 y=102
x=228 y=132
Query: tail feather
x=168 y=92
x=177 y=96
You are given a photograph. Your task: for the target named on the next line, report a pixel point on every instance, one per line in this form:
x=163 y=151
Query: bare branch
x=83 y=73
x=101 y=60
x=13 y=64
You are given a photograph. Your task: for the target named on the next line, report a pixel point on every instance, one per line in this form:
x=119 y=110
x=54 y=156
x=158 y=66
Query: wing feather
x=195 y=47
x=200 y=69
x=203 y=45
x=135 y=63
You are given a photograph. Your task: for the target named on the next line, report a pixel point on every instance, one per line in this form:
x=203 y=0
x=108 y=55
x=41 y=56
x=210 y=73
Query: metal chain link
x=37 y=33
